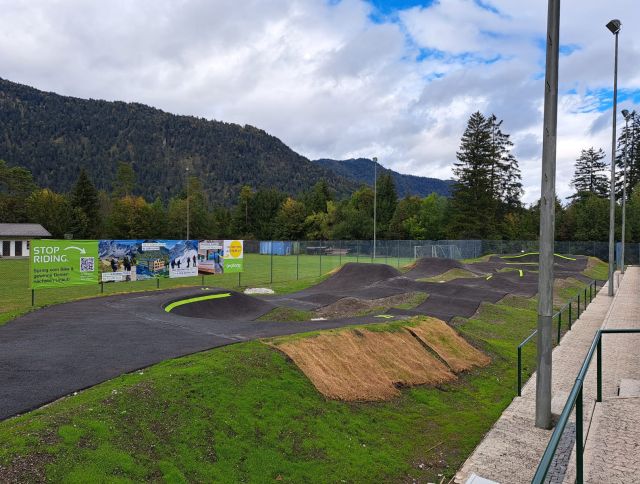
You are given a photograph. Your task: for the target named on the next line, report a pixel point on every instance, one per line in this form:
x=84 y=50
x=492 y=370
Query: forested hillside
x=55 y=136
x=360 y=170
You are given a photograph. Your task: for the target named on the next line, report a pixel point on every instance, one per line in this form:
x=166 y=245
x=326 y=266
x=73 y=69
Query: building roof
x=23 y=230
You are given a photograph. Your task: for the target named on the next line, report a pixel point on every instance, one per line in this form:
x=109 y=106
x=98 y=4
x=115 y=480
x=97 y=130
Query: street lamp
x=627 y=115
x=188 y=203
x=375 y=202
x=614 y=26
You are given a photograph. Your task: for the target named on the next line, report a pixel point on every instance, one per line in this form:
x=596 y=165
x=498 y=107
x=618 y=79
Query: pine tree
x=629 y=139
x=84 y=198
x=386 y=203
x=590 y=174
x=125 y=182
x=506 y=179
x=473 y=199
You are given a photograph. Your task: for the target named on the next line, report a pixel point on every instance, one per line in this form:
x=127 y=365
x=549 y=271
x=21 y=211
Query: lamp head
x=375 y=159
x=614 y=26
x=626 y=114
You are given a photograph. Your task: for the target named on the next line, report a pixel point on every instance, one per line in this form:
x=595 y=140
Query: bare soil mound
x=449 y=345
x=363 y=365
x=352 y=306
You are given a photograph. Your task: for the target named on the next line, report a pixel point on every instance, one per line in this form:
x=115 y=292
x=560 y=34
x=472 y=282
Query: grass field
x=282 y=273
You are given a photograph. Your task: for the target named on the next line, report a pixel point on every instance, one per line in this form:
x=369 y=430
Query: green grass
x=287 y=314
x=599 y=270
x=246 y=413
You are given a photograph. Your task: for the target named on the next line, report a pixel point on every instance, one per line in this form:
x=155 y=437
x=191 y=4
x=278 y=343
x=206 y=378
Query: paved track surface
x=55 y=351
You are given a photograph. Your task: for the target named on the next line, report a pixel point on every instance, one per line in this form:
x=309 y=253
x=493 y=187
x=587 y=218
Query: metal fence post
x=519 y=371
x=398 y=252
x=33 y=297
x=271 y=262
x=599 y=369
x=579 y=438
x=559 y=324
x=578 y=315
x=357 y=251
x=320 y=251
x=298 y=263
x=339 y=253
x=570 y=306
x=157 y=283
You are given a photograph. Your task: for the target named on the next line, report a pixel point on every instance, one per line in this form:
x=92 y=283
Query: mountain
x=55 y=136
x=360 y=170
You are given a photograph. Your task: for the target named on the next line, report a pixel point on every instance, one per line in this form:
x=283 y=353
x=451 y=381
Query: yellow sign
x=235 y=249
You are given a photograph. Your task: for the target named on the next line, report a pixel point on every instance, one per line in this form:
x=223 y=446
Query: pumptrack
x=61 y=349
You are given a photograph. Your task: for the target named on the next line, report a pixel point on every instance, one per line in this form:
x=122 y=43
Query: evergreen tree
x=590 y=174
x=125 y=182
x=386 y=203
x=628 y=144
x=473 y=200
x=506 y=178
x=84 y=198
x=315 y=200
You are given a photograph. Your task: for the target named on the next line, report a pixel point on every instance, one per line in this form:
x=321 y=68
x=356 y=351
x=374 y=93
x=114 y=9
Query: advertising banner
x=60 y=263
x=211 y=257
x=136 y=260
x=233 y=256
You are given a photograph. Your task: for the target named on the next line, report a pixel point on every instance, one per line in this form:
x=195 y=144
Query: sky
x=396 y=79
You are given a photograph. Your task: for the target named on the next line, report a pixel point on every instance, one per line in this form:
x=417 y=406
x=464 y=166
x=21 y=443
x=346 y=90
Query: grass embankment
x=247 y=413
x=281 y=273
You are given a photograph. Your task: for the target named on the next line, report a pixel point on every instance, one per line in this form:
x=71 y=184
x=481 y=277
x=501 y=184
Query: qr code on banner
x=87 y=264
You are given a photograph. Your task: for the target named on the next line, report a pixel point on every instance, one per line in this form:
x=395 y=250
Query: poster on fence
x=137 y=260
x=60 y=263
x=233 y=256
x=220 y=256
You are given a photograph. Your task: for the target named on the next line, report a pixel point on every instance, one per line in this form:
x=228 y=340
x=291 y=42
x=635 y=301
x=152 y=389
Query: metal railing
x=587 y=297
x=576 y=400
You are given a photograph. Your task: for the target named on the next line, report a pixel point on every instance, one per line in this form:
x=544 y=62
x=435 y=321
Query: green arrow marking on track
x=169 y=307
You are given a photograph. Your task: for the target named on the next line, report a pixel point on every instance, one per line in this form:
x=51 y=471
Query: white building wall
x=12 y=248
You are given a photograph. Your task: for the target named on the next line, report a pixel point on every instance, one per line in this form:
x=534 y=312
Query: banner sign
x=233 y=256
x=220 y=256
x=137 y=260
x=59 y=263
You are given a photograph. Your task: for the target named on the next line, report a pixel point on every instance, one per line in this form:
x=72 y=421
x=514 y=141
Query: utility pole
x=375 y=202
x=614 y=27
x=626 y=115
x=188 y=214
x=547 y=220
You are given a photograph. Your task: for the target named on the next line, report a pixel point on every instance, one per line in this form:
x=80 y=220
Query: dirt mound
x=354 y=276
x=352 y=306
x=363 y=365
x=449 y=345
x=219 y=305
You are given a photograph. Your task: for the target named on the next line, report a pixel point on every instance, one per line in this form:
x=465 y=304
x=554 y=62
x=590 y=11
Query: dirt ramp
x=432 y=266
x=353 y=276
x=449 y=345
x=364 y=365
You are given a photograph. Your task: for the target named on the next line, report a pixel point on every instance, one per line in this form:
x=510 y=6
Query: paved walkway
x=511 y=450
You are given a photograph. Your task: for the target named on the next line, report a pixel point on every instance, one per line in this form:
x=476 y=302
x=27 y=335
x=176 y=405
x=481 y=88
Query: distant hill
x=55 y=136
x=360 y=170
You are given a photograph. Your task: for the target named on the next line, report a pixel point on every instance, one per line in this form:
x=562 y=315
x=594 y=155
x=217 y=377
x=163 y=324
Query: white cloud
x=328 y=80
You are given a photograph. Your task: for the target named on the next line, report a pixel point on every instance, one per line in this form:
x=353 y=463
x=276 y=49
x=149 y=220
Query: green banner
x=61 y=263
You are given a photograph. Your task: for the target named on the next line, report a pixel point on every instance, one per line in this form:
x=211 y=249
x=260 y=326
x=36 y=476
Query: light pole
x=547 y=220
x=627 y=115
x=188 y=214
x=614 y=27
x=375 y=202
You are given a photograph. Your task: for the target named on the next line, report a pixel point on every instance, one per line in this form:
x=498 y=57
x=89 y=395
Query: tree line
x=486 y=202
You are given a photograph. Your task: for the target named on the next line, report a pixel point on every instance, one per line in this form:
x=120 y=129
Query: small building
x=14 y=238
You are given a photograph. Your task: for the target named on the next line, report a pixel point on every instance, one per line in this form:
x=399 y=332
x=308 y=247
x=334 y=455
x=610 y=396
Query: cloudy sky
x=340 y=78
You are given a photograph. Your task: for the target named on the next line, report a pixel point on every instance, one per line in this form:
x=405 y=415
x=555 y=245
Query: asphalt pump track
x=61 y=349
